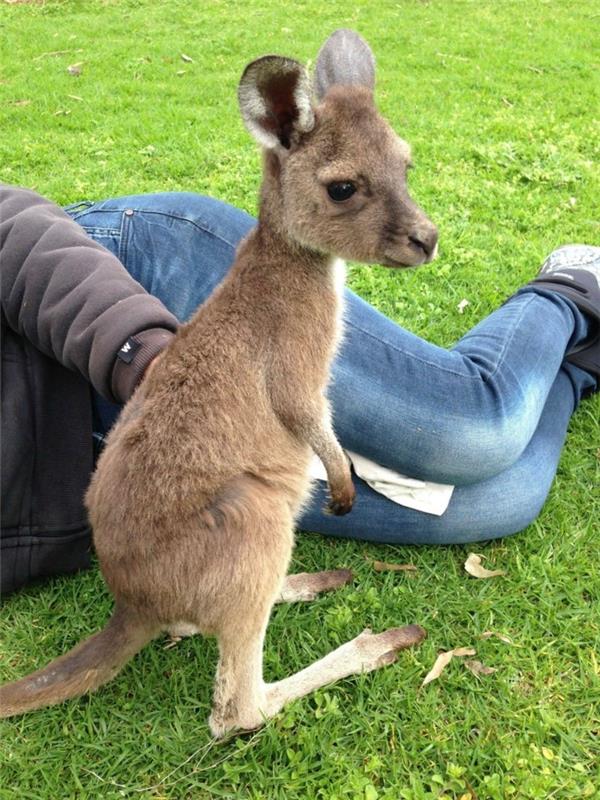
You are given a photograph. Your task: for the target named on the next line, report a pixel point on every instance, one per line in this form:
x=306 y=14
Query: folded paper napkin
x=426 y=496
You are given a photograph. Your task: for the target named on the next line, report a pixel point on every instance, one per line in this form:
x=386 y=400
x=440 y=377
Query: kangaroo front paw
x=341 y=501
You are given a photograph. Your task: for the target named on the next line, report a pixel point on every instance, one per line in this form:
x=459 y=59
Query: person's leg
x=492 y=508
x=452 y=416
x=457 y=416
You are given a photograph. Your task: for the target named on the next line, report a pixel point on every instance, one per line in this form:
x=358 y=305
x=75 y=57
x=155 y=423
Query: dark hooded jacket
x=67 y=308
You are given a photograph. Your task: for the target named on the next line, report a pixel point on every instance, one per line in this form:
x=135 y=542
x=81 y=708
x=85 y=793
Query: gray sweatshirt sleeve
x=72 y=299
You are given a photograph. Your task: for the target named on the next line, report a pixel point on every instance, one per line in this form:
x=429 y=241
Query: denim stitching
x=481 y=377
x=509 y=340
x=76 y=210
x=411 y=355
x=177 y=217
x=125 y=218
x=101 y=231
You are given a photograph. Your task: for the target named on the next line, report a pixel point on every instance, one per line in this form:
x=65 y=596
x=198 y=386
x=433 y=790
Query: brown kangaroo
x=194 y=499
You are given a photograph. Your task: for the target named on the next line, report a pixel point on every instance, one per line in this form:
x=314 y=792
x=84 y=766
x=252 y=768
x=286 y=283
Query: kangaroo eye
x=341 y=190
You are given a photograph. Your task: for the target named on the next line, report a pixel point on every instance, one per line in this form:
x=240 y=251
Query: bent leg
x=452 y=416
x=492 y=508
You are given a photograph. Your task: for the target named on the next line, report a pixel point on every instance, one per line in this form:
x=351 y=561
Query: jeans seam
x=123 y=237
x=76 y=210
x=100 y=231
x=508 y=341
x=177 y=217
x=412 y=356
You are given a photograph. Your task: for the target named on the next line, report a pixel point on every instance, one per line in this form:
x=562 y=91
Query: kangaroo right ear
x=345 y=59
x=275 y=100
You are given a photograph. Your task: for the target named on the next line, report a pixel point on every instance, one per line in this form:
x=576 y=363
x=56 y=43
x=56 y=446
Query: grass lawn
x=500 y=102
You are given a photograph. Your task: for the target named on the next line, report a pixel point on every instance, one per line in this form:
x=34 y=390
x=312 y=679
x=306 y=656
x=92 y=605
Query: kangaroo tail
x=87 y=666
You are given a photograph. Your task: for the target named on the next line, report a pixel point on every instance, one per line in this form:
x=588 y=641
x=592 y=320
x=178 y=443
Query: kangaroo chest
x=310 y=328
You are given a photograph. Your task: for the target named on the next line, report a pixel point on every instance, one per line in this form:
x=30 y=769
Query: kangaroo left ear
x=275 y=101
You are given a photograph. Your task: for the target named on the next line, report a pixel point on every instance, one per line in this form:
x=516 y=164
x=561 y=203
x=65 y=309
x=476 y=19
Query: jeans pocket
x=76 y=209
x=107 y=227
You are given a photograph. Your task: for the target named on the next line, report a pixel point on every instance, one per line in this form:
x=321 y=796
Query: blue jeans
x=490 y=415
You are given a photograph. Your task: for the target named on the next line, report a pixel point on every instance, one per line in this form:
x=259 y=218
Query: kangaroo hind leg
x=367 y=652
x=239 y=691
x=308 y=585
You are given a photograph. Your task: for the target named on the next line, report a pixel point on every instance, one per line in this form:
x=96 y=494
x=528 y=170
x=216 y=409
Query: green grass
x=500 y=101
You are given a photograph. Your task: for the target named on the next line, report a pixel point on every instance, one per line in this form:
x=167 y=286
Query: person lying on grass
x=448 y=446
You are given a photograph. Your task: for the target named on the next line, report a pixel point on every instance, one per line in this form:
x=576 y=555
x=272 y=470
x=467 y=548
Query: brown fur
x=194 y=499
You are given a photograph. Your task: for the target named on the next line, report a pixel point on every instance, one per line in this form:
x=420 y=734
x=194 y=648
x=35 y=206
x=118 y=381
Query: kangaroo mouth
x=409 y=261
x=392 y=262
x=413 y=254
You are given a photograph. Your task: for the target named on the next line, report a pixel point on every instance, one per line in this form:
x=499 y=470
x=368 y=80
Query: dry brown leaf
x=385 y=566
x=477 y=668
x=443 y=660
x=474 y=568
x=439 y=666
x=502 y=636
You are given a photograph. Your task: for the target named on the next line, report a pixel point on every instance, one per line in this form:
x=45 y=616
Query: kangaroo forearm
x=326 y=446
x=329 y=450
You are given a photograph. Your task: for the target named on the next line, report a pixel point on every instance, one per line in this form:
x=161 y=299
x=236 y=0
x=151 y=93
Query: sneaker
x=574 y=271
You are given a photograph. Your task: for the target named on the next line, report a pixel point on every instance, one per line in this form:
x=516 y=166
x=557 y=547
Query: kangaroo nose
x=426 y=239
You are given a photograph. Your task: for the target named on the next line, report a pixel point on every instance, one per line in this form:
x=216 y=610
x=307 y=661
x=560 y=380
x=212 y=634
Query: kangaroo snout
x=411 y=238
x=424 y=240
x=417 y=245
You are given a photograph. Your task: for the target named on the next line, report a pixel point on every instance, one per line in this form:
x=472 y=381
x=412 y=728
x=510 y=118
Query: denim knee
x=476 y=517
x=484 y=448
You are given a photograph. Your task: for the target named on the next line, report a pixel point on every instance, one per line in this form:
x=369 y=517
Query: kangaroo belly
x=232 y=554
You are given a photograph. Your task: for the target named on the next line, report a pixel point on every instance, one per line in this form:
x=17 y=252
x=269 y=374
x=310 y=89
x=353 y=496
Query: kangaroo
x=195 y=496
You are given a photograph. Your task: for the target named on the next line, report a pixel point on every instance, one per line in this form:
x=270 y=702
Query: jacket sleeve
x=72 y=299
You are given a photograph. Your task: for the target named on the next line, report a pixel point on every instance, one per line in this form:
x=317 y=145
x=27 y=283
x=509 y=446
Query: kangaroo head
x=337 y=168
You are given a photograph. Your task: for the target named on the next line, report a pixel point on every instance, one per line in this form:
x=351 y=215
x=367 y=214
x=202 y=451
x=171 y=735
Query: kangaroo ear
x=275 y=100
x=345 y=59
